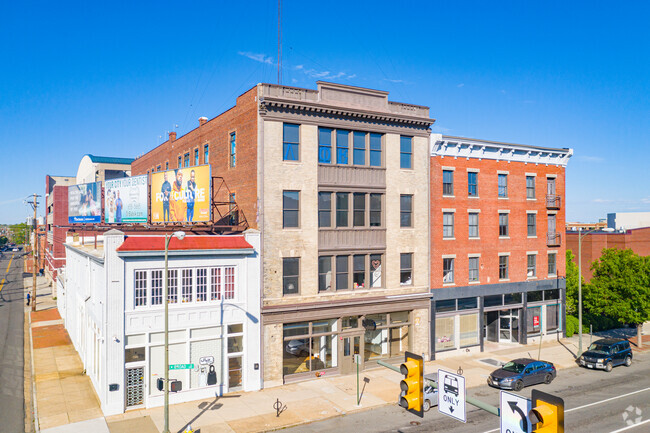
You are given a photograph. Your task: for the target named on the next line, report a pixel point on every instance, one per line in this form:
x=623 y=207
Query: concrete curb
x=31 y=350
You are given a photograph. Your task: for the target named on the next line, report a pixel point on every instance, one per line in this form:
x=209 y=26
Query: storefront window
x=551 y=294
x=400 y=317
x=534 y=296
x=552 y=317
x=445 y=305
x=300 y=328
x=304 y=352
x=324 y=326
x=512 y=298
x=493 y=301
x=445 y=338
x=321 y=352
x=534 y=320
x=376 y=344
x=468 y=330
x=350 y=322
x=379 y=319
x=467 y=303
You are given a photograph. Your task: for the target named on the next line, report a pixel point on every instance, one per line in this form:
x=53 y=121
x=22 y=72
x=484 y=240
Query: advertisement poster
x=181 y=195
x=84 y=203
x=125 y=200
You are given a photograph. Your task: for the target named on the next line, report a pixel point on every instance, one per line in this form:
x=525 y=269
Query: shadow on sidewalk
x=205 y=406
x=567 y=349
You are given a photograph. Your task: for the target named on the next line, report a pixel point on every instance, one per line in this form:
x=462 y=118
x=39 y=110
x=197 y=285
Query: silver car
x=430 y=397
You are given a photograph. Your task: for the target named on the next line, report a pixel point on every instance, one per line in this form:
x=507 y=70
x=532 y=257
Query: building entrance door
x=509 y=326
x=134 y=386
x=350 y=346
x=491 y=325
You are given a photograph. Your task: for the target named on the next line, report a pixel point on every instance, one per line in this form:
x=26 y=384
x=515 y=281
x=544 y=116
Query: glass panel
x=294 y=329
x=472 y=184
x=135 y=354
x=375 y=150
x=323 y=326
x=236 y=328
x=468 y=330
x=399 y=317
x=350 y=322
x=236 y=344
x=359 y=144
x=296 y=355
x=399 y=340
x=324 y=273
x=378 y=319
x=376 y=344
x=322 y=350
x=359 y=271
x=290 y=272
x=324 y=209
x=342 y=209
x=290 y=208
x=512 y=298
x=234 y=372
x=552 y=317
x=467 y=303
x=534 y=320
x=406 y=210
x=375 y=270
x=534 y=296
x=342 y=147
x=492 y=301
x=445 y=305
x=359 y=208
x=445 y=338
x=375 y=210
x=551 y=294
x=324 y=145
x=406 y=150
x=342 y=273
x=406 y=269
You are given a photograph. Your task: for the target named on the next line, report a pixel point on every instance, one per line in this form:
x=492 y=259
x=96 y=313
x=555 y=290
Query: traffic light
x=174 y=385
x=412 y=386
x=547 y=414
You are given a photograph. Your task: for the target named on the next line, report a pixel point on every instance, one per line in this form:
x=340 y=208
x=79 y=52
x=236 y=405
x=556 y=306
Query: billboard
x=125 y=200
x=181 y=195
x=84 y=203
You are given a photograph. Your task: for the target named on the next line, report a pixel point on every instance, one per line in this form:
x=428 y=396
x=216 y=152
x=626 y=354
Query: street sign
x=451 y=395
x=514 y=413
x=181 y=366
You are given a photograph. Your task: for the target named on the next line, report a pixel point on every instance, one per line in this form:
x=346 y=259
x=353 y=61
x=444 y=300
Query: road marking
x=2 y=283
x=9 y=265
x=631 y=426
x=599 y=402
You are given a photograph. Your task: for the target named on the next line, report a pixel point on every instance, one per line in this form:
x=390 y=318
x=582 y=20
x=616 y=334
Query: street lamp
x=580 y=237
x=180 y=235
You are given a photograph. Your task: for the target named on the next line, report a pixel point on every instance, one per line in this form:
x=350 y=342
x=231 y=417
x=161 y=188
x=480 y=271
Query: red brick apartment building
x=497 y=250
x=638 y=240
x=56 y=216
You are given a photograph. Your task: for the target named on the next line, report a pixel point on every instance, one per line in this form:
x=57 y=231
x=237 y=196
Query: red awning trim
x=190 y=243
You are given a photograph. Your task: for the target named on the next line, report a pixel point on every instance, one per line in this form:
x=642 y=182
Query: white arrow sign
x=451 y=395
x=514 y=413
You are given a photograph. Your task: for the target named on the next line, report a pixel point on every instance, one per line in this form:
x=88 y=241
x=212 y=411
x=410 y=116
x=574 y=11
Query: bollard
x=279 y=407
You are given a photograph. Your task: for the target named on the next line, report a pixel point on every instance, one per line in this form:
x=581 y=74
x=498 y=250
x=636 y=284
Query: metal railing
x=553 y=201
x=553 y=239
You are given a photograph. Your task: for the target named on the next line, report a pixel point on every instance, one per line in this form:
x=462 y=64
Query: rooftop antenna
x=279 y=41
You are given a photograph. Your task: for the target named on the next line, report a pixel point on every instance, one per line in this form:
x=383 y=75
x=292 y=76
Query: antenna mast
x=279 y=41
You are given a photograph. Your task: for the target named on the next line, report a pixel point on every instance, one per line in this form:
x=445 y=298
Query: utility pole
x=34 y=249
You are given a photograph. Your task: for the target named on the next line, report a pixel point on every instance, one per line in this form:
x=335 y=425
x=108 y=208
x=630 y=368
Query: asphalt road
x=595 y=402
x=12 y=314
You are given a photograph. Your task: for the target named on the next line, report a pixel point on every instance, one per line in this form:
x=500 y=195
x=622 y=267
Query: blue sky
x=113 y=78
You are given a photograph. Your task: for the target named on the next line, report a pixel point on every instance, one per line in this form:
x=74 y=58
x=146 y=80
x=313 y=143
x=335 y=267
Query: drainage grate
x=491 y=361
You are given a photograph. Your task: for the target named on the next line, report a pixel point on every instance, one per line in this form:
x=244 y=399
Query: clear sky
x=112 y=78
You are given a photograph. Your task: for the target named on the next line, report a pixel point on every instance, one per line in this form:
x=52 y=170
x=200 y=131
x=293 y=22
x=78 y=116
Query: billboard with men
x=84 y=203
x=125 y=200
x=181 y=195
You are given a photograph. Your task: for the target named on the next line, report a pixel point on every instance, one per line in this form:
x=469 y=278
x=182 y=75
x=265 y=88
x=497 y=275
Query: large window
x=406 y=269
x=473 y=269
x=531 y=270
x=468 y=330
x=206 y=154
x=503 y=224
x=406 y=152
x=447 y=182
x=324 y=209
x=186 y=285
x=448 y=225
x=186 y=160
x=290 y=208
x=359 y=209
x=359 y=148
x=342 y=146
x=473 y=224
x=196 y=156
x=201 y=285
x=324 y=273
x=445 y=333
x=552 y=317
x=503 y=185
x=375 y=150
x=172 y=286
x=375 y=270
x=325 y=145
x=532 y=224
x=448 y=270
x=358 y=271
x=156 y=287
x=530 y=186
x=503 y=267
x=222 y=283
x=309 y=346
x=233 y=149
x=345 y=266
x=406 y=210
x=140 y=288
x=472 y=184
x=342 y=273
x=342 y=209
x=290 y=142
x=552 y=264
x=290 y=275
x=375 y=210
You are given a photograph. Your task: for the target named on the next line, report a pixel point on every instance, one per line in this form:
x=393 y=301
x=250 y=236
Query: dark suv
x=607 y=353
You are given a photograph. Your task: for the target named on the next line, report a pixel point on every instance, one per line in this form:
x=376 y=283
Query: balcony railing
x=553 y=239
x=552 y=201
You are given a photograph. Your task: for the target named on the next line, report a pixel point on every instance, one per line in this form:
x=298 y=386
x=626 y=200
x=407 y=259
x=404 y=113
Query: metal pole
x=166 y=304
x=579 y=291
x=357 y=381
x=34 y=255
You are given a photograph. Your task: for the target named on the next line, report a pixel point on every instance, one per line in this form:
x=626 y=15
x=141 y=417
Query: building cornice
x=181 y=253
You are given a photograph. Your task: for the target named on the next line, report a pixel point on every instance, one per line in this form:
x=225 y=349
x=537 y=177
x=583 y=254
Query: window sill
x=473 y=196
x=531 y=278
x=504 y=279
x=295 y=229
x=504 y=237
x=503 y=198
x=448 y=196
x=448 y=239
x=531 y=199
x=474 y=282
x=448 y=284
x=532 y=237
x=292 y=162
x=552 y=275
x=475 y=239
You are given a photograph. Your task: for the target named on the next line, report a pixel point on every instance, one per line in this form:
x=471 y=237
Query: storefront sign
x=536 y=321
x=181 y=195
x=125 y=200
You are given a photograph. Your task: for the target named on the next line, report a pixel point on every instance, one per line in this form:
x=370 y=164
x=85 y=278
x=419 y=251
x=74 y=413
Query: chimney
x=202 y=120
x=172 y=136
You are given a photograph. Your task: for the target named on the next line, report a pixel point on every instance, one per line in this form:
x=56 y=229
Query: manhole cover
x=491 y=361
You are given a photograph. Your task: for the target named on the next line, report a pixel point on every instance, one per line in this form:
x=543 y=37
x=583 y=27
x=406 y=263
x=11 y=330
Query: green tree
x=620 y=287
x=3 y=241
x=19 y=233
x=572 y=284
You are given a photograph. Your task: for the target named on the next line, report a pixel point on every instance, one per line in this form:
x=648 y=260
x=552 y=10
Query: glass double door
x=502 y=326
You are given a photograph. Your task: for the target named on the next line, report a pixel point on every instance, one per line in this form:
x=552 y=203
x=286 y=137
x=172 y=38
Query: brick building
x=337 y=180
x=56 y=216
x=497 y=253
x=638 y=240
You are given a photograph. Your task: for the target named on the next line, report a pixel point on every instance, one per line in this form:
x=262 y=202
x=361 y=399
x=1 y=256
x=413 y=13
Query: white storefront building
x=111 y=301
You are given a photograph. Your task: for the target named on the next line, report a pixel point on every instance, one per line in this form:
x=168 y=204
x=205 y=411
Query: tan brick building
x=337 y=180
x=497 y=250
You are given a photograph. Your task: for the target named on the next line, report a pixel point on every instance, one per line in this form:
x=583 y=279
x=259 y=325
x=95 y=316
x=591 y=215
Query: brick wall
x=489 y=245
x=241 y=179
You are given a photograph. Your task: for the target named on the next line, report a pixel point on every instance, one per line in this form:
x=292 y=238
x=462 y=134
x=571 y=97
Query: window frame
x=448 y=264
x=341 y=211
x=233 y=150
x=531 y=229
x=288 y=147
x=206 y=153
x=471 y=226
x=504 y=229
x=404 y=212
x=473 y=273
x=359 y=211
x=531 y=268
x=186 y=159
x=290 y=278
x=530 y=188
x=286 y=211
x=359 y=152
x=342 y=147
x=504 y=265
x=405 y=270
x=502 y=186
x=372 y=212
x=448 y=183
x=374 y=151
x=324 y=149
x=554 y=272
x=471 y=184
x=322 y=210
x=405 y=153
x=447 y=228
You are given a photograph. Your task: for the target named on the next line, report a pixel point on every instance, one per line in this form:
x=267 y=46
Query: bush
x=571 y=325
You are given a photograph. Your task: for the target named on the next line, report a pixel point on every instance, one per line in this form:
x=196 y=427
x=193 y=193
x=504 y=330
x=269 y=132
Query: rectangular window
x=342 y=147
x=342 y=206
x=324 y=209
x=469 y=330
x=448 y=270
x=156 y=287
x=447 y=182
x=172 y=286
x=196 y=156
x=406 y=210
x=324 y=273
x=448 y=225
x=140 y=288
x=375 y=210
x=445 y=333
x=473 y=269
x=233 y=149
x=206 y=154
x=503 y=185
x=180 y=162
x=473 y=224
x=201 y=285
x=324 y=145
x=532 y=224
x=531 y=269
x=167 y=165
x=503 y=224
x=158 y=168
x=530 y=186
x=290 y=275
x=359 y=272
x=186 y=285
x=375 y=270
x=359 y=209
x=229 y=282
x=342 y=273
x=290 y=142
x=405 y=152
x=290 y=208
x=186 y=160
x=375 y=150
x=552 y=264
x=503 y=267
x=359 y=148
x=215 y=284
x=472 y=184
x=406 y=269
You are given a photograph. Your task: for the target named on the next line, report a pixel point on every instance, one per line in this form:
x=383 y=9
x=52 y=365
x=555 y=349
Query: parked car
x=15 y=249
x=430 y=397
x=522 y=372
x=607 y=353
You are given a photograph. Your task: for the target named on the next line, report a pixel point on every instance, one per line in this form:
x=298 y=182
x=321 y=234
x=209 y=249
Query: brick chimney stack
x=172 y=136
x=202 y=120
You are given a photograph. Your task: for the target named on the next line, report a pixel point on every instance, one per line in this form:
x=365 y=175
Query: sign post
x=514 y=413
x=451 y=395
